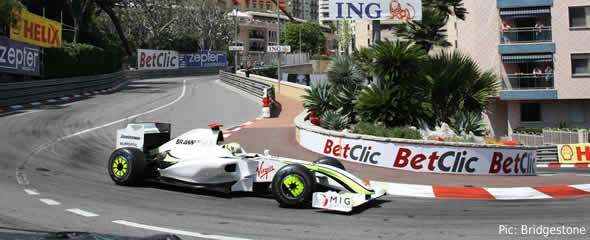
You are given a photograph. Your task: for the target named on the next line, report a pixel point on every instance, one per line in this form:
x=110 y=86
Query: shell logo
x=566 y=152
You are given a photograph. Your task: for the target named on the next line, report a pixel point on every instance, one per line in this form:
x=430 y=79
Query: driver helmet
x=234 y=148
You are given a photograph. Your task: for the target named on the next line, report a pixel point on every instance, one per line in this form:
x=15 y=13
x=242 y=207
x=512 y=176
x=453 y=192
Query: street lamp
x=236 y=4
x=278 y=43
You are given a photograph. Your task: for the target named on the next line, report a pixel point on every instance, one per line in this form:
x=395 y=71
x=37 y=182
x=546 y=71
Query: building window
x=530 y=112
x=581 y=64
x=579 y=16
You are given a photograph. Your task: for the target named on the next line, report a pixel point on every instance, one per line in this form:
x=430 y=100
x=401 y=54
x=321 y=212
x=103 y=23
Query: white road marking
x=35 y=103
x=583 y=187
x=128 y=118
x=51 y=100
x=82 y=212
x=516 y=193
x=16 y=106
x=49 y=202
x=31 y=192
x=543 y=165
x=64 y=98
x=409 y=190
x=174 y=231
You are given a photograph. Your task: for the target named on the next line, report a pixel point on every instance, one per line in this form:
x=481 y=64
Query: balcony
x=526 y=35
x=529 y=81
x=528 y=87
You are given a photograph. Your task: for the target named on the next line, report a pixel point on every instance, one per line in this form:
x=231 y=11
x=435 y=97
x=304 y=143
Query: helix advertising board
x=36 y=30
x=423 y=157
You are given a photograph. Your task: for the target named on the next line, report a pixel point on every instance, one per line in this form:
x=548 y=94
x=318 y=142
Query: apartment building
x=540 y=50
x=257 y=27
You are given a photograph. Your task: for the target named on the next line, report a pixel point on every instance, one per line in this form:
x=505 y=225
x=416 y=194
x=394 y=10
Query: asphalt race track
x=65 y=163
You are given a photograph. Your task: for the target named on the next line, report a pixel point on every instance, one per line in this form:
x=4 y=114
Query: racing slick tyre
x=293 y=186
x=127 y=166
x=330 y=161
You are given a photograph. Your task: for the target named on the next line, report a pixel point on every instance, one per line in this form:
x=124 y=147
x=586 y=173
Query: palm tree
x=346 y=78
x=397 y=63
x=458 y=85
x=428 y=32
x=448 y=7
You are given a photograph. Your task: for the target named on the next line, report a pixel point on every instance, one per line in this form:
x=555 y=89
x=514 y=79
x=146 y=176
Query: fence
x=551 y=137
x=270 y=59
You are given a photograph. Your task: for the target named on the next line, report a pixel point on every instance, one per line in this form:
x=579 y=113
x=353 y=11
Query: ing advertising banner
x=574 y=153
x=393 y=10
x=36 y=30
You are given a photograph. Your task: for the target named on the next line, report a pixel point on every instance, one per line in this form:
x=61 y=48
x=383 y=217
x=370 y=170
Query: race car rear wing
x=144 y=136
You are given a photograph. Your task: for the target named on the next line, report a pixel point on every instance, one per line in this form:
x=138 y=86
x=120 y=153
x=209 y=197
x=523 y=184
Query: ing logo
x=398 y=12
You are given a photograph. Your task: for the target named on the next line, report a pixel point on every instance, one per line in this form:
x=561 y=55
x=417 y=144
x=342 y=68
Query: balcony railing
x=530 y=81
x=524 y=35
x=255 y=35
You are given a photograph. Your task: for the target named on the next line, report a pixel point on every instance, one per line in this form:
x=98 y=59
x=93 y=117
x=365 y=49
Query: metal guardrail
x=30 y=91
x=253 y=87
x=547 y=154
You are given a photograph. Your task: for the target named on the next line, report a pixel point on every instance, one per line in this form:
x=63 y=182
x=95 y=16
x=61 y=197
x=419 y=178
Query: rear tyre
x=293 y=186
x=330 y=161
x=127 y=166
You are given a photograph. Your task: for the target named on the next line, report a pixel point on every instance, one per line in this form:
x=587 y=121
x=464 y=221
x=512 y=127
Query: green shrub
x=80 y=60
x=465 y=139
x=332 y=120
x=318 y=99
x=320 y=57
x=270 y=72
x=468 y=122
x=535 y=131
x=380 y=131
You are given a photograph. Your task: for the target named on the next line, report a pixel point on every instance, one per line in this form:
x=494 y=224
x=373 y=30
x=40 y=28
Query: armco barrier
x=25 y=92
x=418 y=155
x=288 y=89
x=256 y=88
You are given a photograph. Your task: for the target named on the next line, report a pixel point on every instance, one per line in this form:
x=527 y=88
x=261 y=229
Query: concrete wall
x=287 y=89
x=320 y=66
x=298 y=69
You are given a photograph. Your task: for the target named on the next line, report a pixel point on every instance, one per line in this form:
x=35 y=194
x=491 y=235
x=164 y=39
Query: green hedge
x=380 y=131
x=535 y=131
x=80 y=60
x=270 y=72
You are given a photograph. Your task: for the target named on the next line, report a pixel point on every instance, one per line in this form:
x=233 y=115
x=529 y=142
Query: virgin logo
x=263 y=172
x=398 y=12
x=325 y=199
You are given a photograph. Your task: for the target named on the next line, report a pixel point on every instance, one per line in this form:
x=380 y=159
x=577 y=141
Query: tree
x=458 y=85
x=78 y=9
x=400 y=96
x=345 y=35
x=6 y=17
x=346 y=78
x=108 y=7
x=430 y=30
x=208 y=21
x=312 y=37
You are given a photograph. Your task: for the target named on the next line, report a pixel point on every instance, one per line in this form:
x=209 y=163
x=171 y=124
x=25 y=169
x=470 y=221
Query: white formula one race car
x=199 y=158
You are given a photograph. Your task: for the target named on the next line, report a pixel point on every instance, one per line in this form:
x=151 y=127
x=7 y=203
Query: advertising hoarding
x=19 y=58
x=203 y=59
x=148 y=59
x=277 y=48
x=37 y=30
x=574 y=153
x=393 y=10
x=423 y=158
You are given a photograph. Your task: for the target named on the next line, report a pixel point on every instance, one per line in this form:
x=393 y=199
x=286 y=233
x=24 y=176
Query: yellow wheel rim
x=294 y=185
x=120 y=166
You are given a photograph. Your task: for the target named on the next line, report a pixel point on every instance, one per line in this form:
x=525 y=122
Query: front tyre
x=127 y=166
x=293 y=186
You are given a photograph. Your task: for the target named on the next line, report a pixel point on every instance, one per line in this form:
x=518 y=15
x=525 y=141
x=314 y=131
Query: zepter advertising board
x=148 y=59
x=424 y=158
